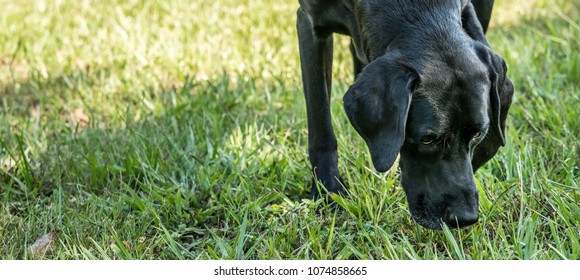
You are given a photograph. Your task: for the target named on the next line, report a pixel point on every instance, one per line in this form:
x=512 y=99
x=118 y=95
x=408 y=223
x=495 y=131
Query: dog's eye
x=477 y=135
x=428 y=140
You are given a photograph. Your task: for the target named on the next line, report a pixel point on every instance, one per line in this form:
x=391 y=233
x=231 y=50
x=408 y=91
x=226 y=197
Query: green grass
x=195 y=146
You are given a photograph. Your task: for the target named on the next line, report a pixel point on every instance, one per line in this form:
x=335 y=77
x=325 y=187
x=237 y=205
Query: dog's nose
x=458 y=219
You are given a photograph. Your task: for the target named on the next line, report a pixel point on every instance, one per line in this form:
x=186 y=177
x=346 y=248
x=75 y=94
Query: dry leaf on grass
x=43 y=244
x=79 y=117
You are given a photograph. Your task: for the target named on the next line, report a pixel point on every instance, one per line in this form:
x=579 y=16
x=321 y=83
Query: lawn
x=177 y=130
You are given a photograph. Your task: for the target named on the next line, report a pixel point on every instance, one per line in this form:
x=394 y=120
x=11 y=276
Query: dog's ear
x=377 y=105
x=500 y=99
x=475 y=20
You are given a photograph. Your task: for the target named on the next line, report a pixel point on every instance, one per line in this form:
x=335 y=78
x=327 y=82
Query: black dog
x=427 y=86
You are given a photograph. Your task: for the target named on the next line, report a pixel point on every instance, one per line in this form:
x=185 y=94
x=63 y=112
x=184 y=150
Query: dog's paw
x=322 y=187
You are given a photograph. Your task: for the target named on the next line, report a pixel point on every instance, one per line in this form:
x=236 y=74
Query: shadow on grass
x=195 y=151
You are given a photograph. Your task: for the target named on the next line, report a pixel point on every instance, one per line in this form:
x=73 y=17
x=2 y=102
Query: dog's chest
x=329 y=17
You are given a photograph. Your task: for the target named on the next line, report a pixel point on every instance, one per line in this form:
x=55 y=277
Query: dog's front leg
x=357 y=64
x=316 y=64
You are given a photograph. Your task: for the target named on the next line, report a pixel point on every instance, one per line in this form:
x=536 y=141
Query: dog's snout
x=457 y=218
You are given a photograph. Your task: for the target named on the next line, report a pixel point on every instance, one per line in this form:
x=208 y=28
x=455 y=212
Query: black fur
x=428 y=87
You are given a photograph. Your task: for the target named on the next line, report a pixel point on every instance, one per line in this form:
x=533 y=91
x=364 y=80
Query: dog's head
x=444 y=115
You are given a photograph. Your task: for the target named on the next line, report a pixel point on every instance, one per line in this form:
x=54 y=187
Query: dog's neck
x=388 y=25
